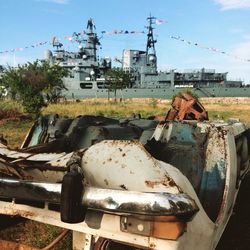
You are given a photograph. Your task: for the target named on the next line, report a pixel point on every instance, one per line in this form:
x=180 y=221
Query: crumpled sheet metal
x=31 y=166
x=128 y=165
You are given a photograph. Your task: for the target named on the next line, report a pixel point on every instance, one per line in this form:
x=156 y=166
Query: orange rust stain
x=28 y=177
x=152 y=246
x=167 y=181
x=118 y=142
x=21 y=213
x=168 y=230
x=151 y=184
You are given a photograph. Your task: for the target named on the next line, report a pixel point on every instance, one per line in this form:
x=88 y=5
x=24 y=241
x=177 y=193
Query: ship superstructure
x=142 y=65
x=86 y=69
x=87 y=72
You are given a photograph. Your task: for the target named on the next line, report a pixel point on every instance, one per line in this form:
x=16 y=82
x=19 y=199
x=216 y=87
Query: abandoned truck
x=132 y=183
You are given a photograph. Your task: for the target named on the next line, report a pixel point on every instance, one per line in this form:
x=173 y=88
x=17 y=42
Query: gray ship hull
x=161 y=93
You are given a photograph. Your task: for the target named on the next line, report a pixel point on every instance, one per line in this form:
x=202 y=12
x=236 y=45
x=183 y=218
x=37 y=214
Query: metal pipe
x=56 y=240
x=107 y=200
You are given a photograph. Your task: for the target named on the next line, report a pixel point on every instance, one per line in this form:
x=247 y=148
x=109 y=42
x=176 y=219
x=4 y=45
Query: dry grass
x=15 y=131
x=114 y=109
x=225 y=111
x=35 y=234
x=148 y=107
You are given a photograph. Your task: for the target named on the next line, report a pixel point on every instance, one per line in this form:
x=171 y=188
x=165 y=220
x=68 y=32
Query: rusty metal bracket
x=186 y=107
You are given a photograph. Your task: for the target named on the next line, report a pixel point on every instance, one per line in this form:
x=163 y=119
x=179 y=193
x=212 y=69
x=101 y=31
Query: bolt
x=140 y=227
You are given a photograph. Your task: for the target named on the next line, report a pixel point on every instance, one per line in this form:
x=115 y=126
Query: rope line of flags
x=104 y=32
x=75 y=38
x=72 y=38
x=23 y=48
x=199 y=45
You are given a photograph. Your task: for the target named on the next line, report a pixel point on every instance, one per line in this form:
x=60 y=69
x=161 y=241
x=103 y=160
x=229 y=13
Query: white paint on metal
x=78 y=241
x=110 y=228
x=163 y=132
x=239 y=128
x=125 y=165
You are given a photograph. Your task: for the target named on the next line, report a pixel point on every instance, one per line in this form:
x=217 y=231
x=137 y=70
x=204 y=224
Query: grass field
x=14 y=130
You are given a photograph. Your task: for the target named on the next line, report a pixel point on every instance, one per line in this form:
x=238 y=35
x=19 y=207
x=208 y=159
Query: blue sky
x=221 y=24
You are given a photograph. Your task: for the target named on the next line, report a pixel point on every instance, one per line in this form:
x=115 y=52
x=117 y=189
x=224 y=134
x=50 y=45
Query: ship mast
x=151 y=59
x=92 y=40
x=150 y=49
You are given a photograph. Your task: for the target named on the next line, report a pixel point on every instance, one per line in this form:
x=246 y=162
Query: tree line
x=37 y=84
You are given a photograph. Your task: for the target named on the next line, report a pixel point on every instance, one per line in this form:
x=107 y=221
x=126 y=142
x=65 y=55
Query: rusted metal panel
x=186 y=107
x=216 y=147
x=133 y=167
x=182 y=145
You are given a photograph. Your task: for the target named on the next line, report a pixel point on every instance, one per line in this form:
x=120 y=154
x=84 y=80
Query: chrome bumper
x=106 y=200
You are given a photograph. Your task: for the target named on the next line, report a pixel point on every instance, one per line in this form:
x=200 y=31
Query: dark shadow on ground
x=237 y=233
x=9 y=221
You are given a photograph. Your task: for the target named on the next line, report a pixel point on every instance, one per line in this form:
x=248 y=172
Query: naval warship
x=87 y=72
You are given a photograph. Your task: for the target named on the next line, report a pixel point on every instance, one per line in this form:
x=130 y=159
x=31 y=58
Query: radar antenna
x=56 y=43
x=91 y=25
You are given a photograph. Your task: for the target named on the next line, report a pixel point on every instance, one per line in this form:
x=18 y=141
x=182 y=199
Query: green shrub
x=35 y=84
